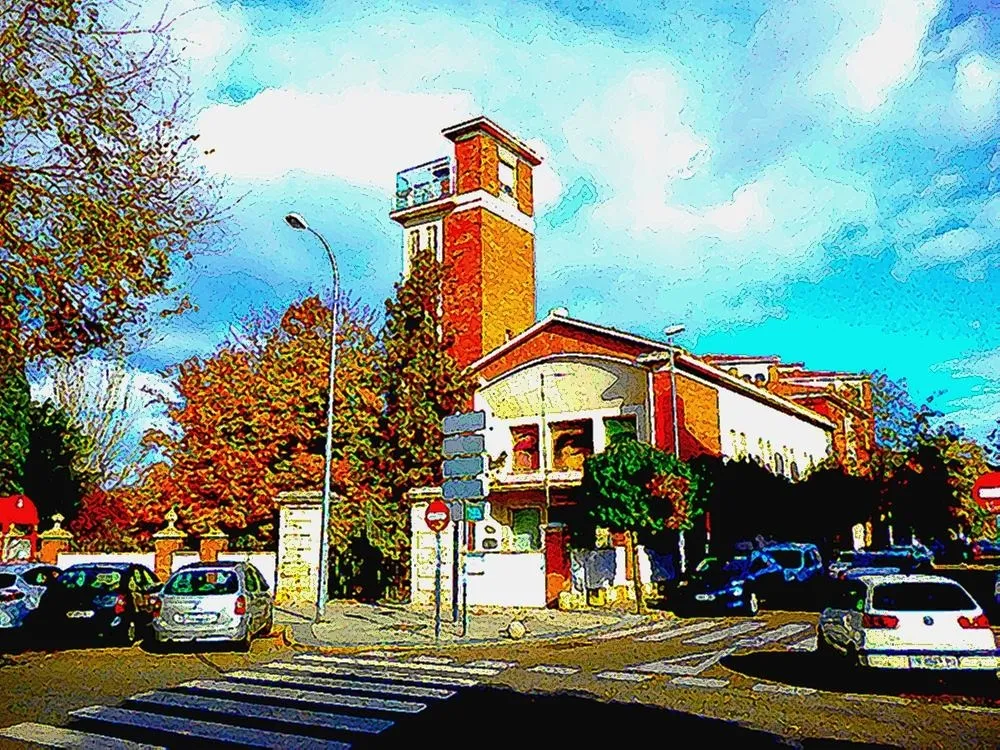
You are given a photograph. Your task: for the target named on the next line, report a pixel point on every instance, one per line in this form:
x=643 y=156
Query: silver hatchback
x=224 y=601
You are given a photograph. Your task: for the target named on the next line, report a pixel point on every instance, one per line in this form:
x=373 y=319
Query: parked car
x=952 y=551
x=739 y=584
x=923 y=558
x=844 y=561
x=882 y=562
x=98 y=601
x=923 y=622
x=21 y=589
x=222 y=601
x=984 y=548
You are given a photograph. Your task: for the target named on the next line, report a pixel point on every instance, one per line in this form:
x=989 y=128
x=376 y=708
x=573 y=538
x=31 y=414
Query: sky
x=812 y=179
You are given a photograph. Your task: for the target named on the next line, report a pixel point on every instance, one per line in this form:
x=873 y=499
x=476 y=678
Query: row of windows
x=773 y=460
x=569 y=442
x=414 y=239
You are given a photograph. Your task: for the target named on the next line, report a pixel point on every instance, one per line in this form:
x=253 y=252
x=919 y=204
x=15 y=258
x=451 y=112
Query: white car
x=922 y=622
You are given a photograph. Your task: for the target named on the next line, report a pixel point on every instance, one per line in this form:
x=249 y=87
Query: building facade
x=559 y=389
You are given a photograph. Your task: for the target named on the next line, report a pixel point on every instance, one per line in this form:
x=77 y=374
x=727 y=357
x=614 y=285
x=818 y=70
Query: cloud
x=968 y=35
x=984 y=364
x=977 y=93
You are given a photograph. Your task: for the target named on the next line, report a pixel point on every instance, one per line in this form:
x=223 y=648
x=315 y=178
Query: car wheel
x=268 y=625
x=824 y=650
x=243 y=644
x=128 y=634
x=753 y=604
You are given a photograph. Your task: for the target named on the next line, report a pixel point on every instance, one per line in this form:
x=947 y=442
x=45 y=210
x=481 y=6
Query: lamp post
x=295 y=221
x=670 y=332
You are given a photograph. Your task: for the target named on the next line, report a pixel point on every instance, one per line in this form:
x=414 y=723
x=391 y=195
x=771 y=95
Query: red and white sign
x=437 y=517
x=986 y=492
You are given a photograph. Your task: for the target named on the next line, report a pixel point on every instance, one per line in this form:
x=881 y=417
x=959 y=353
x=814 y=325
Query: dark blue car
x=737 y=585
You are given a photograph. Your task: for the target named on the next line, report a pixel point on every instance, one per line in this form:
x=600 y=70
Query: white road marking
x=381 y=673
x=357 y=686
x=491 y=664
x=378 y=654
x=703 y=682
x=633 y=631
x=433 y=659
x=809 y=644
x=310 y=697
x=49 y=736
x=623 y=676
x=772 y=636
x=554 y=669
x=442 y=668
x=695 y=627
x=678 y=665
x=739 y=629
x=860 y=698
x=972 y=709
x=764 y=687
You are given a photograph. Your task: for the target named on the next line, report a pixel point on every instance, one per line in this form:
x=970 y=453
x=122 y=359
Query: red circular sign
x=437 y=517
x=986 y=492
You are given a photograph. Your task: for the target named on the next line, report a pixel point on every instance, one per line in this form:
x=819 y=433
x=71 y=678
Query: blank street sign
x=463 y=489
x=464 y=445
x=456 y=424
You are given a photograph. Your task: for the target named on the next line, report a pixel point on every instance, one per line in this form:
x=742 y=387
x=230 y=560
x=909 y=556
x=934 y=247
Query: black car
x=738 y=585
x=98 y=601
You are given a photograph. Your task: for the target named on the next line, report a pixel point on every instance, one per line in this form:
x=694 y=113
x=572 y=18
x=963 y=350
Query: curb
x=312 y=643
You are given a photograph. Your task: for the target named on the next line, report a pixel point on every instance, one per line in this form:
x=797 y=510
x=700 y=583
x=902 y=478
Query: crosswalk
x=312 y=701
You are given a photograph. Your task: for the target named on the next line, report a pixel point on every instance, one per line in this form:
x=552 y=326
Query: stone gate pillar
x=211 y=544
x=299 y=528
x=55 y=540
x=166 y=542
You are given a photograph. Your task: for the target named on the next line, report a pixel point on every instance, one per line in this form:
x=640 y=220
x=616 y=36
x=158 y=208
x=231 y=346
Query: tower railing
x=424 y=183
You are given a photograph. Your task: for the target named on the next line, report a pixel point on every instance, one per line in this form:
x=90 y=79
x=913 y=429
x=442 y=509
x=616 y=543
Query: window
x=203 y=582
x=524 y=440
x=619 y=428
x=921 y=597
x=507 y=172
x=794 y=468
x=527 y=529
x=572 y=442
x=252 y=585
x=414 y=242
x=432 y=238
x=779 y=464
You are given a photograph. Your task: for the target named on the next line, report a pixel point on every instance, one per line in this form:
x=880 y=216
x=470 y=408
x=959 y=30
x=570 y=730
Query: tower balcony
x=424 y=183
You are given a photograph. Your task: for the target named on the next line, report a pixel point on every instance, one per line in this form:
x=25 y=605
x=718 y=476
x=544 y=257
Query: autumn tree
x=100 y=195
x=421 y=384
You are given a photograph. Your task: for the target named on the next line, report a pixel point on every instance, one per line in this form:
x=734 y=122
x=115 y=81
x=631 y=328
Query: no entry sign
x=986 y=492
x=437 y=517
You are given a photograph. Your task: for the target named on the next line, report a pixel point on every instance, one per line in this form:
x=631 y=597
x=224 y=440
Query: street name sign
x=461 y=424
x=458 y=446
x=464 y=489
x=437 y=516
x=475 y=511
x=464 y=467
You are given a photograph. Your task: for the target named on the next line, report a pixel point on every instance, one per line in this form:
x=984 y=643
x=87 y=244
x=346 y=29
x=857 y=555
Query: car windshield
x=202 y=583
x=100 y=579
x=713 y=565
x=921 y=597
x=882 y=559
x=786 y=558
x=7 y=580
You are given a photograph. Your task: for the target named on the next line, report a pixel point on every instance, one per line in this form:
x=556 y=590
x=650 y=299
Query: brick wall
x=462 y=290
x=508 y=277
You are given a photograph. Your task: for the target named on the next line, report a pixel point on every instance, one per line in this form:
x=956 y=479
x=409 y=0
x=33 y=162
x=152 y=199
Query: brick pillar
x=557 y=566
x=166 y=542
x=54 y=541
x=211 y=544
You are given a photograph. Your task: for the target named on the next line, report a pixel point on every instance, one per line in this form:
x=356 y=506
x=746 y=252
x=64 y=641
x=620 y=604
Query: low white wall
x=183 y=557
x=139 y=558
x=265 y=562
x=506 y=580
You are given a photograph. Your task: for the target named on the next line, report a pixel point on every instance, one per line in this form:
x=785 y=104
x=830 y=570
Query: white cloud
x=969 y=34
x=952 y=246
x=876 y=63
x=977 y=92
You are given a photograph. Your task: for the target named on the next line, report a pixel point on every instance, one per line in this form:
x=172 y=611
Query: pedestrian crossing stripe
x=442 y=668
x=772 y=636
x=553 y=669
x=491 y=664
x=293 y=677
x=313 y=697
x=635 y=631
x=809 y=644
x=700 y=682
x=382 y=673
x=623 y=676
x=679 y=665
x=695 y=627
x=433 y=660
x=50 y=736
x=718 y=635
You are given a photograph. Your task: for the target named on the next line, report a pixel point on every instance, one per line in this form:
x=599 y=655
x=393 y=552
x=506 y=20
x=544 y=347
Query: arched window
x=795 y=471
x=779 y=464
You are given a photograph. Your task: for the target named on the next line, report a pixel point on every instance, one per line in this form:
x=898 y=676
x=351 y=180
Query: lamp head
x=295 y=221
x=673 y=330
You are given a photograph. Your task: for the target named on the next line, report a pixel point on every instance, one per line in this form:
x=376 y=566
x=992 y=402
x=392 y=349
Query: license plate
x=934 y=662
x=199 y=618
x=80 y=613
x=705 y=597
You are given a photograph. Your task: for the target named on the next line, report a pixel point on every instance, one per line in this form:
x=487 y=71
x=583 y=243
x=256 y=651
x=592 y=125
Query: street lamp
x=295 y=221
x=670 y=332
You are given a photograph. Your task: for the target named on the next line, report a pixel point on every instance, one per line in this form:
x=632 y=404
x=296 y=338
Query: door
x=526 y=523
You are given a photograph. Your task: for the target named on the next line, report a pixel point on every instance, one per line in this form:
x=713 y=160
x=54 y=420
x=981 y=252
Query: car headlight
x=737 y=590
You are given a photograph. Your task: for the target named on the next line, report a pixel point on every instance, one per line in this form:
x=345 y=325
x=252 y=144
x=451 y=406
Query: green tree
x=632 y=487
x=56 y=474
x=100 y=195
x=421 y=384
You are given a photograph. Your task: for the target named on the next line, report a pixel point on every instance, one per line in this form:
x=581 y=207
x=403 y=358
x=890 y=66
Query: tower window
x=507 y=171
x=432 y=237
x=414 y=242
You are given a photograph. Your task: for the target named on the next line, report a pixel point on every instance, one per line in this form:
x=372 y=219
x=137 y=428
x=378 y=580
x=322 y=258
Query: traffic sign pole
x=465 y=580
x=454 y=568
x=437 y=590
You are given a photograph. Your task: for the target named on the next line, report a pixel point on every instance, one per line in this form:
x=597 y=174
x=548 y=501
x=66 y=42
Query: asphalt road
x=728 y=680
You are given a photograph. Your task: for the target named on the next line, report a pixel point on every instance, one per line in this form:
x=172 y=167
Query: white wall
x=139 y=558
x=794 y=437
x=506 y=580
x=266 y=563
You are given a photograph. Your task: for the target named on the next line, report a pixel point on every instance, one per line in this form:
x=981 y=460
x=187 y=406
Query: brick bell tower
x=476 y=210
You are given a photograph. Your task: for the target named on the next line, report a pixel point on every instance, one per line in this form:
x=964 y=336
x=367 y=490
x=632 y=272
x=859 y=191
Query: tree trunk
x=640 y=605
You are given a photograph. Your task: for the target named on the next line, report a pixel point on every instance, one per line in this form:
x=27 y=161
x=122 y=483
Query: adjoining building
x=558 y=389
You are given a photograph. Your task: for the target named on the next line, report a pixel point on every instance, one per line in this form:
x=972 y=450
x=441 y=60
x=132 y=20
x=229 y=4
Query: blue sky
x=818 y=180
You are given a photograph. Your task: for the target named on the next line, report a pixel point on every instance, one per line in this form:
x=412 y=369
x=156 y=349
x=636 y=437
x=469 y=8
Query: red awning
x=17 y=509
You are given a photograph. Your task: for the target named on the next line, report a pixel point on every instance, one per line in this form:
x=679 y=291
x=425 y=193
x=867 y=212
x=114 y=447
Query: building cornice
x=484 y=125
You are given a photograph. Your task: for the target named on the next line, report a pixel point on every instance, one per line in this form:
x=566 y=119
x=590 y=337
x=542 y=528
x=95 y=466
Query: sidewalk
x=350 y=624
